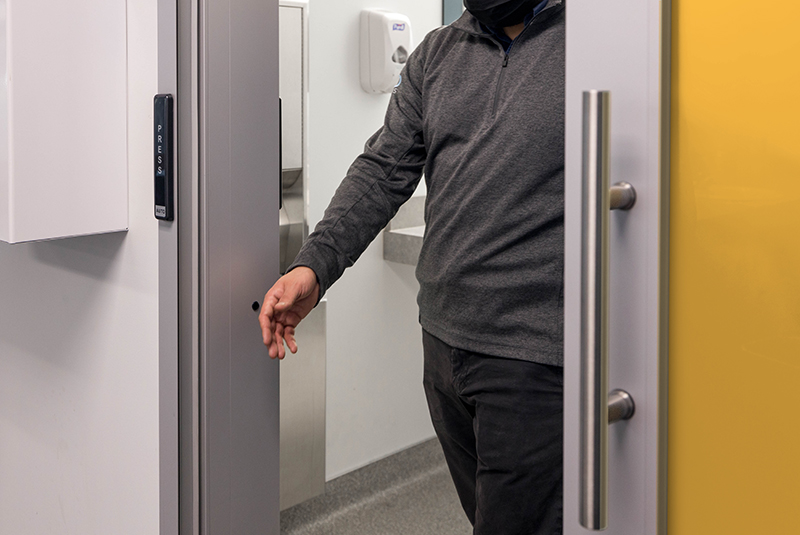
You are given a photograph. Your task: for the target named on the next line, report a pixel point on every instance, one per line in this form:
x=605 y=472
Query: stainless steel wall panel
x=303 y=412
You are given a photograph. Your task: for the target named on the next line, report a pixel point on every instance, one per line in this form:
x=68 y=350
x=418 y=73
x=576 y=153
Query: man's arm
x=376 y=185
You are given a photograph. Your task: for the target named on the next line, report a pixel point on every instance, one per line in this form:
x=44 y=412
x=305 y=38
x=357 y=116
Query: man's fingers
x=288 y=334
x=266 y=316
x=266 y=330
x=271 y=339
x=279 y=341
x=268 y=306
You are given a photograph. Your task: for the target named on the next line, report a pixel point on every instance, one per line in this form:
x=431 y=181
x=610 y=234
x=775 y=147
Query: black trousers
x=500 y=423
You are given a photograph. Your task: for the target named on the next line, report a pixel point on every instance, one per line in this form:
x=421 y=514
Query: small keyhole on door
x=256 y=306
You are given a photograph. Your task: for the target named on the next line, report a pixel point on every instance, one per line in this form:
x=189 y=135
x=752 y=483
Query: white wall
x=79 y=421
x=375 y=402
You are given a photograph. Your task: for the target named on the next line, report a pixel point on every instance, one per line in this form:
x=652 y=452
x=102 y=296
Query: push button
x=163 y=182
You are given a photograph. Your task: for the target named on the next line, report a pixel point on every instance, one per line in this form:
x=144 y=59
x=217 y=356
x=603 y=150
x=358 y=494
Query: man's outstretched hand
x=285 y=305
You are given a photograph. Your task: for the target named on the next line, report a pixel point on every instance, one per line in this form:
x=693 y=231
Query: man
x=479 y=109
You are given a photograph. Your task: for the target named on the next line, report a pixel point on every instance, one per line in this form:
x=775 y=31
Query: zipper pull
x=505 y=61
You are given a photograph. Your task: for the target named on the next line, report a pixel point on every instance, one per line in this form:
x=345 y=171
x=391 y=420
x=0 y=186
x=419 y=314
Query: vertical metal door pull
x=597 y=408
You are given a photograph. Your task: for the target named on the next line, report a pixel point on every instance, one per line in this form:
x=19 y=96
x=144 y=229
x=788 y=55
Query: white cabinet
x=63 y=118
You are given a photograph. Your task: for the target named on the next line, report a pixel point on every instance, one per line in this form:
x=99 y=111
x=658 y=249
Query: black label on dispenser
x=163 y=158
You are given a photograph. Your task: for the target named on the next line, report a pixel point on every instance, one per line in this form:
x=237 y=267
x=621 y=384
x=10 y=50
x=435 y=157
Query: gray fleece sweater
x=487 y=129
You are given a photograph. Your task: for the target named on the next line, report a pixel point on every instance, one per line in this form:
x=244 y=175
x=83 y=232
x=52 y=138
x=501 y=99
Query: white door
x=615 y=474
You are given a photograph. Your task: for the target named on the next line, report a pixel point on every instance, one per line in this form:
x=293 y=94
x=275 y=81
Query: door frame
x=187 y=217
x=168 y=307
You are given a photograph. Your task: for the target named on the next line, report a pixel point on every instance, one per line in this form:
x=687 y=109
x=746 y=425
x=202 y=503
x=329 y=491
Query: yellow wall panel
x=734 y=410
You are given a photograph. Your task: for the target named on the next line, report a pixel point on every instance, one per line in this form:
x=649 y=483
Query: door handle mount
x=620 y=406
x=622 y=196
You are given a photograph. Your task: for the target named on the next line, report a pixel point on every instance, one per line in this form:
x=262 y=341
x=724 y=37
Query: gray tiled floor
x=408 y=493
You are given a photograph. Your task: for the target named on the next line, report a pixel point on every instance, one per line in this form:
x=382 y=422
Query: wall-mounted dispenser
x=385 y=47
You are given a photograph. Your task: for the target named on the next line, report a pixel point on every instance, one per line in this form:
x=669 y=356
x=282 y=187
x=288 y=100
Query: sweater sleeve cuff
x=316 y=264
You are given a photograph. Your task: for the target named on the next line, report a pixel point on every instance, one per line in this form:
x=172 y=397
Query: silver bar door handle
x=598 y=199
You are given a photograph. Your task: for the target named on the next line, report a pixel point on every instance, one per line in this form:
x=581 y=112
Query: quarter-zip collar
x=500 y=35
x=469 y=24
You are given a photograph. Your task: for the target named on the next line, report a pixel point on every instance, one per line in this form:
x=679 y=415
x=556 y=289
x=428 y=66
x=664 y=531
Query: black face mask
x=500 y=13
